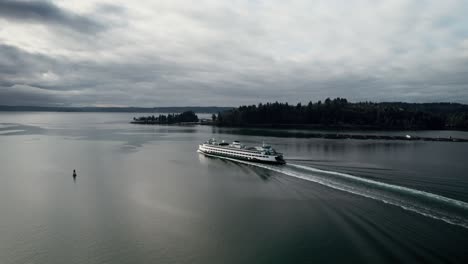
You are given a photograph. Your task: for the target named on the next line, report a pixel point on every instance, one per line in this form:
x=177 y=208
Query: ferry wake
x=235 y=150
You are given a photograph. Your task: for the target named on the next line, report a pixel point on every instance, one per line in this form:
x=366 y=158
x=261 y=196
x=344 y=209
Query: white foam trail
x=430 y=205
x=11 y=131
x=461 y=204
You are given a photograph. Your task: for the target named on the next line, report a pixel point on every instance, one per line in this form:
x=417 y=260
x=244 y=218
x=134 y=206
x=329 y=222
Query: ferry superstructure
x=235 y=150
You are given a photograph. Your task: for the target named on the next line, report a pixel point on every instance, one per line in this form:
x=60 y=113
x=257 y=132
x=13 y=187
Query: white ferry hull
x=240 y=154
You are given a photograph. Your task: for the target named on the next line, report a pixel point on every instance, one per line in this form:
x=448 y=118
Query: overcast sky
x=227 y=53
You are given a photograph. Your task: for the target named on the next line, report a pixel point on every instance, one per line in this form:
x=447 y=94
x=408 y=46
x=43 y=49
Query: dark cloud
x=47 y=13
x=37 y=79
x=26 y=95
x=18 y=66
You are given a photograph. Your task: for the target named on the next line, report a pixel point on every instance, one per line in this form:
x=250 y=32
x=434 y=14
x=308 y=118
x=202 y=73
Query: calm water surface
x=144 y=195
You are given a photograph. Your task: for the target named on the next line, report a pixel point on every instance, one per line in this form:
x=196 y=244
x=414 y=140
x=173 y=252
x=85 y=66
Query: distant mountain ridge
x=169 y=109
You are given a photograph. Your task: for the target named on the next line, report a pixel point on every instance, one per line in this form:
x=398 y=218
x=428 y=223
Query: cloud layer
x=161 y=53
x=46 y=13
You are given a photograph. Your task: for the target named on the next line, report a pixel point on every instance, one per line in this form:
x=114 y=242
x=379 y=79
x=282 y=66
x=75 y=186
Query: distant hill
x=174 y=109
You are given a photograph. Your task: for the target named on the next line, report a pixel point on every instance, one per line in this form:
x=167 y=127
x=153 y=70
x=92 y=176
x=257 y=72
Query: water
x=143 y=195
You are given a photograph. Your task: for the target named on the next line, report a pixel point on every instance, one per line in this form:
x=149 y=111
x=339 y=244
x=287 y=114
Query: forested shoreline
x=185 y=117
x=339 y=113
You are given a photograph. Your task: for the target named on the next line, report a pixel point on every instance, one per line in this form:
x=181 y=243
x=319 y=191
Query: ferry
x=236 y=150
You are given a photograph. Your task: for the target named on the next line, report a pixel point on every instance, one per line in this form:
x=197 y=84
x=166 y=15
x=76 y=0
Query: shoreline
x=304 y=127
x=343 y=127
x=337 y=136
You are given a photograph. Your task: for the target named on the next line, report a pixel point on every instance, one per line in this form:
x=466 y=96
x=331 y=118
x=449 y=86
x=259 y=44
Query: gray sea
x=144 y=195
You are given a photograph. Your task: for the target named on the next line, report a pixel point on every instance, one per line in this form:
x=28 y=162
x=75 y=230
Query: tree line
x=338 y=112
x=185 y=117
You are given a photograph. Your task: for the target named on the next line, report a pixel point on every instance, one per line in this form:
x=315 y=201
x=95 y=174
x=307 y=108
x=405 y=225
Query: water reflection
x=263 y=174
x=11 y=129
